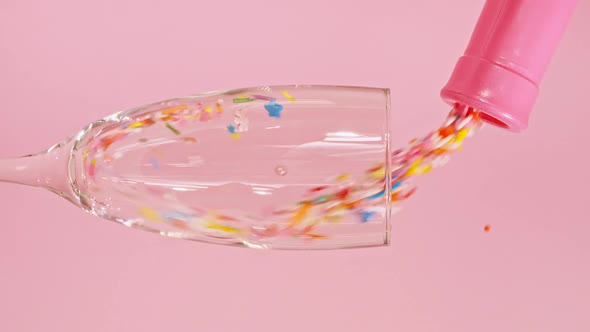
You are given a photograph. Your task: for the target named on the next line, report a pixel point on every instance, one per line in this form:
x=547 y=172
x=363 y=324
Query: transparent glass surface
x=288 y=167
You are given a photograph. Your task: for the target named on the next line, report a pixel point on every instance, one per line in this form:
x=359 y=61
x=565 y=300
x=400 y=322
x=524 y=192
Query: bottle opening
x=492 y=120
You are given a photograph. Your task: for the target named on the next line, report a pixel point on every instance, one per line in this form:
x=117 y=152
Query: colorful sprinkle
x=190 y=139
x=327 y=204
x=172 y=129
x=316 y=189
x=377 y=195
x=378 y=174
x=155 y=163
x=461 y=135
x=150 y=214
x=218 y=105
x=273 y=109
x=92 y=168
x=487 y=228
x=223 y=228
x=366 y=215
x=288 y=96
x=301 y=214
x=242 y=100
x=174 y=110
x=321 y=199
x=343 y=177
x=260 y=97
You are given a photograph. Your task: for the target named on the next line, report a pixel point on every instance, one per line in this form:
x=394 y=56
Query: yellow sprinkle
x=85 y=154
x=425 y=169
x=93 y=162
x=378 y=174
x=236 y=136
x=208 y=109
x=413 y=169
x=136 y=124
x=150 y=214
x=461 y=135
x=343 y=177
x=419 y=170
x=223 y=228
x=288 y=96
x=333 y=219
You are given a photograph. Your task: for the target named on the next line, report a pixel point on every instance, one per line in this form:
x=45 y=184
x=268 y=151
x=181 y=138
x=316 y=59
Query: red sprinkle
x=343 y=193
x=316 y=189
x=445 y=132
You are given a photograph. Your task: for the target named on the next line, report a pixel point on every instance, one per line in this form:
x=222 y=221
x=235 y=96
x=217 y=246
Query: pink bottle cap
x=506 y=58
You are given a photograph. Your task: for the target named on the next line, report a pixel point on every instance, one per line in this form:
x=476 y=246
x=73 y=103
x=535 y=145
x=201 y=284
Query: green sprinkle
x=242 y=100
x=172 y=129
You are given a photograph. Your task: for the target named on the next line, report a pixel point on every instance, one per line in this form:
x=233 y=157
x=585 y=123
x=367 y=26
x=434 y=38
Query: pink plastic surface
x=507 y=56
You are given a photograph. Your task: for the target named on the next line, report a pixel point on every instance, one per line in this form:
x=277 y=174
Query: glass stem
x=47 y=170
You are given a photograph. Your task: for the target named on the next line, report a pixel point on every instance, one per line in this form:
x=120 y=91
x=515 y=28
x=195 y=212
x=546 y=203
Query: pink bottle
x=504 y=63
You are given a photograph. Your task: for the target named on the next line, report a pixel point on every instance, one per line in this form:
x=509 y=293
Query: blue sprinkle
x=231 y=128
x=396 y=185
x=155 y=163
x=366 y=215
x=273 y=109
x=170 y=215
x=320 y=199
x=377 y=195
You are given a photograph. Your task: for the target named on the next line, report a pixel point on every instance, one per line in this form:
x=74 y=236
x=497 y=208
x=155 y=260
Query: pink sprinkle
x=259 y=97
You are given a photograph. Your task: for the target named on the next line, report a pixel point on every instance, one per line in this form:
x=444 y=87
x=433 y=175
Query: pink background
x=65 y=63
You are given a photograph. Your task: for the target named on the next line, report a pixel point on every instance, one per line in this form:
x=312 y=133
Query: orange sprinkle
x=174 y=110
x=445 y=132
x=316 y=236
x=190 y=139
x=302 y=213
x=487 y=228
x=476 y=117
x=219 y=108
x=108 y=141
x=179 y=224
x=352 y=205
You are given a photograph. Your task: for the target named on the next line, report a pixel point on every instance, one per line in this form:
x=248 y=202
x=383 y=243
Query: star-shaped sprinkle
x=273 y=109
